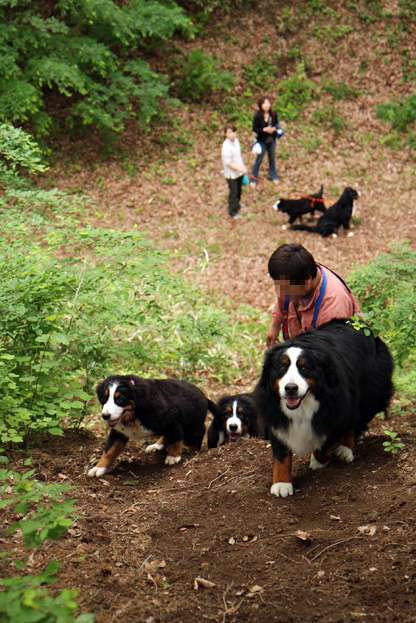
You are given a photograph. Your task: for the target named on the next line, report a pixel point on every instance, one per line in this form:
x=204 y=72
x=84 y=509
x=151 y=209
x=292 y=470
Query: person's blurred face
x=294 y=288
x=231 y=134
x=266 y=106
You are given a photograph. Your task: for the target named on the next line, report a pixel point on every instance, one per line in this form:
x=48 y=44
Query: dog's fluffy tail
x=314 y=230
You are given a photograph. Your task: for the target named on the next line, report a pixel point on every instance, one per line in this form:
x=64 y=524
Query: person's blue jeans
x=270 y=148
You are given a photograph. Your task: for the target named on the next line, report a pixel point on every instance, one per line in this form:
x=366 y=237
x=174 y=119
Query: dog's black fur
x=296 y=208
x=320 y=395
x=236 y=417
x=134 y=407
x=338 y=214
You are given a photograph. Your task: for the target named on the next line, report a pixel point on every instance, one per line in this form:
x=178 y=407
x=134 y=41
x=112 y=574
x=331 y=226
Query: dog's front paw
x=350 y=234
x=154 y=447
x=284 y=227
x=97 y=471
x=344 y=454
x=282 y=489
x=315 y=464
x=334 y=235
x=172 y=460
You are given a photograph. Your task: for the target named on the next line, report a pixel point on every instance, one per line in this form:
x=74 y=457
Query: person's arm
x=272 y=336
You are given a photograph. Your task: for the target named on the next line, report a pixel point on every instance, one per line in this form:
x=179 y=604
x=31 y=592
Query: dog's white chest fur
x=299 y=436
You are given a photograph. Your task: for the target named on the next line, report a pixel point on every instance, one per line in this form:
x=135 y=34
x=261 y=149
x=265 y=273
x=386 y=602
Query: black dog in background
x=236 y=417
x=296 y=208
x=338 y=214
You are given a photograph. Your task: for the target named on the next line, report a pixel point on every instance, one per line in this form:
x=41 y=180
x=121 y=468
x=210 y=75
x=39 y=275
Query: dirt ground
x=150 y=537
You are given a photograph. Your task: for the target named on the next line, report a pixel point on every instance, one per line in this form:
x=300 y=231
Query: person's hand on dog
x=272 y=336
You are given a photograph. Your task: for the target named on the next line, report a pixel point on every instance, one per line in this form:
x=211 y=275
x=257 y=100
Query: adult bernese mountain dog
x=236 y=417
x=338 y=214
x=317 y=393
x=296 y=208
x=135 y=407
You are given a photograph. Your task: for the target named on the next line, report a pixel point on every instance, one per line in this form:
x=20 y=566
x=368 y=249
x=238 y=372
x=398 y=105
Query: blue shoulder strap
x=319 y=301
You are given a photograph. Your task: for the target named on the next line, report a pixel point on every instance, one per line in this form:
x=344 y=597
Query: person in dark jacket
x=264 y=126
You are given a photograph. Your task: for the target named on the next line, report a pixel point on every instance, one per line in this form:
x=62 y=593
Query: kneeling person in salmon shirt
x=308 y=294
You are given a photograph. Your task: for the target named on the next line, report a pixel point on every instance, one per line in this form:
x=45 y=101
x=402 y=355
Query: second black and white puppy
x=236 y=417
x=296 y=208
x=134 y=407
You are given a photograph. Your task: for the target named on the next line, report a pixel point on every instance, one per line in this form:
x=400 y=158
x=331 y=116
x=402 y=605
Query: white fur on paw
x=154 y=447
x=350 y=234
x=282 y=489
x=334 y=235
x=172 y=460
x=284 y=227
x=97 y=471
x=314 y=464
x=344 y=454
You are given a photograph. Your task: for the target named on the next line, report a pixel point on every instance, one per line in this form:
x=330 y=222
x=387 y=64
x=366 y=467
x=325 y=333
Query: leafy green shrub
x=46 y=516
x=201 y=75
x=109 y=301
x=295 y=93
x=340 y=91
x=260 y=74
x=86 y=53
x=385 y=290
x=401 y=114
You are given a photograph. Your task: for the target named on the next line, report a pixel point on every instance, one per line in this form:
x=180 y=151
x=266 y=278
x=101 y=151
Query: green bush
x=401 y=114
x=387 y=297
x=23 y=598
x=77 y=303
x=294 y=94
x=86 y=55
x=201 y=75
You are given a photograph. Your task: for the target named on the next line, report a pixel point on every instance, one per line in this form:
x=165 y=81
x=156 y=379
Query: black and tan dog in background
x=134 y=407
x=339 y=214
x=297 y=208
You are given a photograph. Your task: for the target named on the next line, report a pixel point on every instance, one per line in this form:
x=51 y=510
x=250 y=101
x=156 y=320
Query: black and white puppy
x=135 y=407
x=236 y=417
x=338 y=214
x=318 y=392
x=296 y=208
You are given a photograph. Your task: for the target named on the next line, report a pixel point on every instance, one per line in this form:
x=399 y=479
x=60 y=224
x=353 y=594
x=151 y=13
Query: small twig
x=332 y=545
x=220 y=476
x=237 y=476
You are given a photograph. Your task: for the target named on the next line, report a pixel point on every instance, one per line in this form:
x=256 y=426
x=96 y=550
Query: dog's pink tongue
x=292 y=401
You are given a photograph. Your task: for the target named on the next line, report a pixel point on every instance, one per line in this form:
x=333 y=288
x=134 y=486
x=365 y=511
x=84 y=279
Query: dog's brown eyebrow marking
x=285 y=361
x=239 y=410
x=106 y=392
x=117 y=394
x=229 y=409
x=301 y=362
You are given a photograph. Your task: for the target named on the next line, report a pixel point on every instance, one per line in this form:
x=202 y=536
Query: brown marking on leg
x=109 y=457
x=161 y=441
x=282 y=472
x=323 y=457
x=348 y=440
x=175 y=449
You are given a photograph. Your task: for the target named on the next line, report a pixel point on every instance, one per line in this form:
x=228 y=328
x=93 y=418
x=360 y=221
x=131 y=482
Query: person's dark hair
x=229 y=126
x=292 y=261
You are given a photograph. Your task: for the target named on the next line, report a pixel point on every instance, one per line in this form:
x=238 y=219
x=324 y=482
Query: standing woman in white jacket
x=234 y=169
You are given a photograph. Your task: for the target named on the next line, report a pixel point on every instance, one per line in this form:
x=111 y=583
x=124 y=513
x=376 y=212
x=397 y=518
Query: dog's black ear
x=330 y=369
x=271 y=361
